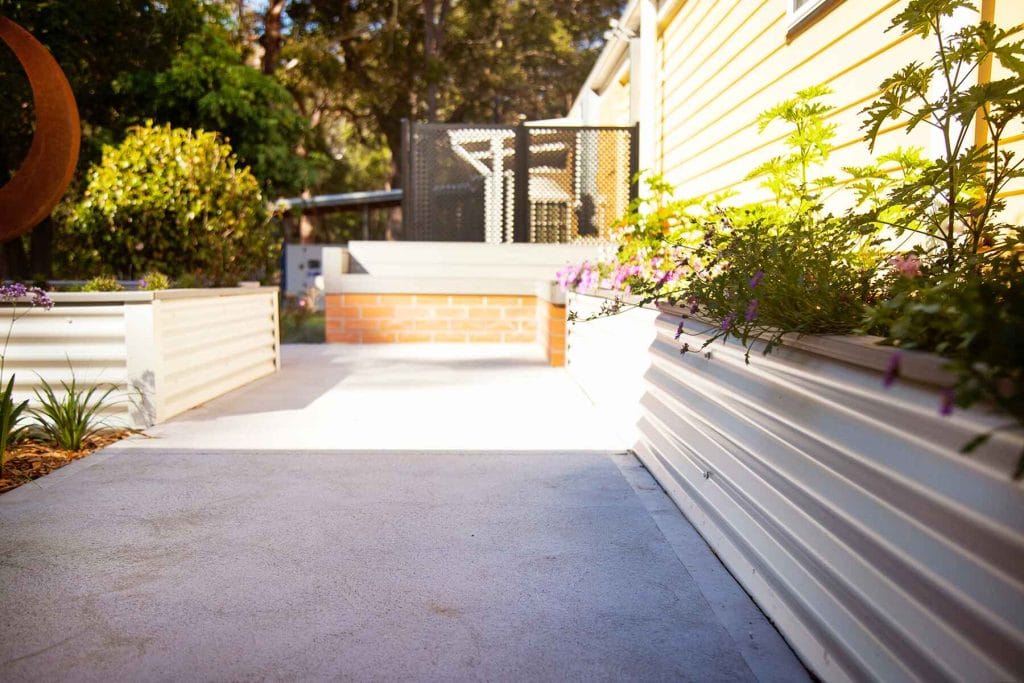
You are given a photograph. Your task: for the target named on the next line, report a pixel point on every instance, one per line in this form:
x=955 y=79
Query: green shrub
x=174 y=201
x=153 y=281
x=102 y=283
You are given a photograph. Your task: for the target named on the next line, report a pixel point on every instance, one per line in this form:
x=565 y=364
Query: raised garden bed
x=165 y=351
x=844 y=507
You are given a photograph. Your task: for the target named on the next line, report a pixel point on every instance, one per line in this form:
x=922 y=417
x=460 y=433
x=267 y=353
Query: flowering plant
x=959 y=291
x=154 y=280
x=11 y=413
x=921 y=258
x=759 y=270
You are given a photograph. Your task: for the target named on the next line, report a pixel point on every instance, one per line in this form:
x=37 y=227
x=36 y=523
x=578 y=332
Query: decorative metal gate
x=526 y=183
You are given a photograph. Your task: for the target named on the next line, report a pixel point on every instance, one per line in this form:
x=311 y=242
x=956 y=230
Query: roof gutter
x=612 y=56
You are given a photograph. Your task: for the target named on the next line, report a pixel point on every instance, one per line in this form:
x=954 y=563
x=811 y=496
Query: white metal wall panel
x=211 y=345
x=608 y=358
x=88 y=342
x=845 y=509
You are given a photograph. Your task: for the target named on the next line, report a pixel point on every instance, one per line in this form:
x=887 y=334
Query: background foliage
x=309 y=93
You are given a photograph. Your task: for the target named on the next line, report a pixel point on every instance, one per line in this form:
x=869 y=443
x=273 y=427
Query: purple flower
x=679 y=330
x=588 y=278
x=12 y=290
x=728 y=322
x=751 y=310
x=892 y=370
x=41 y=298
x=947 y=401
x=15 y=291
x=756 y=280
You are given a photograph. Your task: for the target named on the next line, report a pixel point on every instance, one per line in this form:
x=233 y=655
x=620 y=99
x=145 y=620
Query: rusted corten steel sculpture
x=44 y=175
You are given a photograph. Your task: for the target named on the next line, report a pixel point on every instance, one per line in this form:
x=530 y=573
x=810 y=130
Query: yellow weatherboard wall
x=719 y=64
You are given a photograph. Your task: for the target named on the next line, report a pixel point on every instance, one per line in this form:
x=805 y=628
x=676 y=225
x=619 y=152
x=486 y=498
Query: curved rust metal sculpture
x=46 y=172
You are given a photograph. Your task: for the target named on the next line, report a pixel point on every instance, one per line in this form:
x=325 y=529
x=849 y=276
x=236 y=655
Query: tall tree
x=209 y=86
x=451 y=60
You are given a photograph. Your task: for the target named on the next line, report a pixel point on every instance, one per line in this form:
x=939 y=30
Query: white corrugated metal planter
x=843 y=507
x=164 y=351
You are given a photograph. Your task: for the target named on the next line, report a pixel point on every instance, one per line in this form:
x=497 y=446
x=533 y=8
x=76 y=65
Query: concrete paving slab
x=164 y=559
x=398 y=396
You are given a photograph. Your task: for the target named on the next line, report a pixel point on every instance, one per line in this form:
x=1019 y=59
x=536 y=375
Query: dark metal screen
x=481 y=183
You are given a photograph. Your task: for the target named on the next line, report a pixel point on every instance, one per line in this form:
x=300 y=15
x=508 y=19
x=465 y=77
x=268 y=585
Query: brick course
x=411 y=318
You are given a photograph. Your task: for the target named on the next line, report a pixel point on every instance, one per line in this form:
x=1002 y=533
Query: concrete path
x=372 y=513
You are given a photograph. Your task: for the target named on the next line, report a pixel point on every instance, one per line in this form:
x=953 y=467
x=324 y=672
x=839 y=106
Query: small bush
x=102 y=283
x=153 y=281
x=173 y=201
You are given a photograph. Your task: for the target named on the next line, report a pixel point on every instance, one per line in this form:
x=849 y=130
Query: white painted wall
x=164 y=352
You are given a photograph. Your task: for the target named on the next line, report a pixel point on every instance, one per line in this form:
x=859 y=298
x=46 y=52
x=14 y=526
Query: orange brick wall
x=551 y=331
x=391 y=318
x=399 y=318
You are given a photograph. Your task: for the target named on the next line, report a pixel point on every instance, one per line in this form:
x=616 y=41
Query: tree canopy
x=310 y=94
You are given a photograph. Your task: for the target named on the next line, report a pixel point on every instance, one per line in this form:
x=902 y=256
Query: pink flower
x=907 y=265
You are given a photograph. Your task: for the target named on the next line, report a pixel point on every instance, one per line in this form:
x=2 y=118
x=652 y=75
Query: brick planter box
x=409 y=292
x=446 y=314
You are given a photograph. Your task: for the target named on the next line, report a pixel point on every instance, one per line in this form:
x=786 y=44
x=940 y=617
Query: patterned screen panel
x=478 y=183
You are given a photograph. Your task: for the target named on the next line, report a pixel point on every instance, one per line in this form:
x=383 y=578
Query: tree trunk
x=273 y=35
x=434 y=19
x=393 y=136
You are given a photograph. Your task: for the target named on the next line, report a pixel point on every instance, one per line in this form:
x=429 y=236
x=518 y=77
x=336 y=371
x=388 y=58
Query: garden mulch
x=31 y=459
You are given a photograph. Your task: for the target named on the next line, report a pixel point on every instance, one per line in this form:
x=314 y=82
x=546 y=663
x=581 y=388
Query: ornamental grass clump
x=69 y=416
x=102 y=283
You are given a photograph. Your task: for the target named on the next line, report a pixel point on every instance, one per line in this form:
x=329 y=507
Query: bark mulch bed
x=30 y=460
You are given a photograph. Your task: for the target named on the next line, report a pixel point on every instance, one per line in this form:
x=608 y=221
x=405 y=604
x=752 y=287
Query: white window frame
x=797 y=15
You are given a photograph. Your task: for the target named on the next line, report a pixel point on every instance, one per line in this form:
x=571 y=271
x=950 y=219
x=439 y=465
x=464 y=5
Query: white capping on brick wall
x=424 y=261
x=164 y=352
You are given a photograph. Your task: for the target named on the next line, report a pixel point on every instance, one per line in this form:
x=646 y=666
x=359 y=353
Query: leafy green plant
x=765 y=279
x=300 y=320
x=959 y=289
x=11 y=415
x=209 y=86
x=154 y=280
x=68 y=419
x=102 y=283
x=175 y=201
